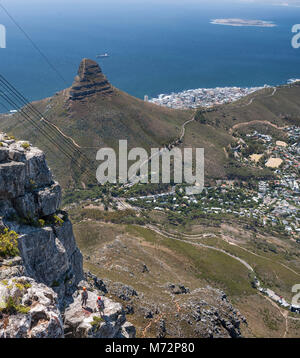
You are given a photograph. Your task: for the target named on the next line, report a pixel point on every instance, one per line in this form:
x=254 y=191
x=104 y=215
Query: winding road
x=256 y=121
x=172 y=236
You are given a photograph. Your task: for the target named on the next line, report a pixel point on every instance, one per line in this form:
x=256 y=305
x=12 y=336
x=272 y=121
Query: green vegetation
x=236 y=170
x=12 y=306
x=200 y=116
x=57 y=220
x=253 y=148
x=41 y=222
x=146 y=189
x=96 y=323
x=25 y=145
x=28 y=221
x=215 y=267
x=268 y=269
x=116 y=217
x=92 y=192
x=172 y=260
x=269 y=320
x=263 y=108
x=22 y=285
x=8 y=243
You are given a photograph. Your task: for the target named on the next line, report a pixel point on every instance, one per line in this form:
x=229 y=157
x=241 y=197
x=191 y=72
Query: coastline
x=243 y=23
x=207 y=97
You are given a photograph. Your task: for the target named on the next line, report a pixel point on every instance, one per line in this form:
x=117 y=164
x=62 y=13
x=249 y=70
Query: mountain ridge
x=92 y=114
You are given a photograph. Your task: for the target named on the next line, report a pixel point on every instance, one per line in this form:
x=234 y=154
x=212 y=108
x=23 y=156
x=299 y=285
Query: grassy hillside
x=280 y=107
x=102 y=119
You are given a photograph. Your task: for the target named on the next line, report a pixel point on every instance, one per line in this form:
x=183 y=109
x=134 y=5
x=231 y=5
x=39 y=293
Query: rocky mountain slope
x=164 y=290
x=41 y=271
x=196 y=279
x=92 y=113
x=40 y=264
x=89 y=81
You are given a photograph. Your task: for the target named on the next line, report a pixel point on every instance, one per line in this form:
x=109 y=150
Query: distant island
x=242 y=22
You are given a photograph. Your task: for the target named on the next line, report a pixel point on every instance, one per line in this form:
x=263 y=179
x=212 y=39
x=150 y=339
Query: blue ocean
x=155 y=46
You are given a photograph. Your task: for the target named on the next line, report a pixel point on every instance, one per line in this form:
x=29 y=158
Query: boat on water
x=103 y=55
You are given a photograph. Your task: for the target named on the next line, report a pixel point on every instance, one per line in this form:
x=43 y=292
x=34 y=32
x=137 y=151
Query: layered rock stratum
x=89 y=81
x=40 y=285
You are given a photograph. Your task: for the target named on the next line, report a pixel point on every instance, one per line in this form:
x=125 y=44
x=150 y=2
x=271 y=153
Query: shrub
x=28 y=220
x=22 y=285
x=11 y=306
x=58 y=220
x=9 y=244
x=25 y=145
x=96 y=323
x=22 y=309
x=41 y=222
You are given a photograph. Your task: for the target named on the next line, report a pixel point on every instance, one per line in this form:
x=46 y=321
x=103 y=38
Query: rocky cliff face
x=36 y=315
x=37 y=285
x=29 y=203
x=89 y=81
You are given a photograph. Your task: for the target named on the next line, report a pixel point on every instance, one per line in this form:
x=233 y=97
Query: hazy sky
x=272 y=2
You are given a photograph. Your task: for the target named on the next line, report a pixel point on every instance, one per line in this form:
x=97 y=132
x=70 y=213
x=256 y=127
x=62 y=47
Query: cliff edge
x=41 y=269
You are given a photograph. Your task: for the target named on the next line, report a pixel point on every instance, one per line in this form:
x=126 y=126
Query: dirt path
x=263 y=257
x=243 y=262
x=257 y=121
x=238 y=125
x=183 y=127
x=199 y=237
x=294 y=318
x=64 y=135
x=258 y=95
x=284 y=313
